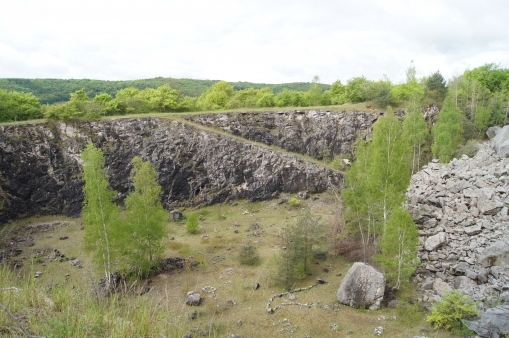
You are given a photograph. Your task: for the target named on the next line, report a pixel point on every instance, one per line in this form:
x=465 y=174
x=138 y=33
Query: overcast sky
x=269 y=41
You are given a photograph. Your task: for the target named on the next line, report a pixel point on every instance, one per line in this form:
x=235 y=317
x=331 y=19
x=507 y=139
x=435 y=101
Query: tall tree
x=315 y=91
x=398 y=247
x=415 y=131
x=100 y=214
x=447 y=131
x=145 y=216
x=377 y=180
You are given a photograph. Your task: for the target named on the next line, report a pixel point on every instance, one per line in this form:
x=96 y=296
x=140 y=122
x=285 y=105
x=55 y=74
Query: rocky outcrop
x=461 y=210
x=362 y=286
x=40 y=165
x=317 y=133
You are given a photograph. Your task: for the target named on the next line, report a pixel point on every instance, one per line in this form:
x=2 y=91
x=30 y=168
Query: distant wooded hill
x=58 y=90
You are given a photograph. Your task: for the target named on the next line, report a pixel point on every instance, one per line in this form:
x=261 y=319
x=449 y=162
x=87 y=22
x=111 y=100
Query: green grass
x=65 y=311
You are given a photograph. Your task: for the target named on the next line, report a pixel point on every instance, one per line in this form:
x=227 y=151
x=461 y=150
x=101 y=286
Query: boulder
x=495 y=254
x=493 y=323
x=193 y=298
x=500 y=142
x=434 y=242
x=362 y=286
x=441 y=288
x=175 y=215
x=492 y=131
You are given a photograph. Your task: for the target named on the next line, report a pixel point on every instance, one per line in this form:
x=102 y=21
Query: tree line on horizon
x=481 y=94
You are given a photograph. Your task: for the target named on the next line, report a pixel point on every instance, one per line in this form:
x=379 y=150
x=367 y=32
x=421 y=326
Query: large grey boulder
x=495 y=254
x=362 y=286
x=500 y=142
x=493 y=323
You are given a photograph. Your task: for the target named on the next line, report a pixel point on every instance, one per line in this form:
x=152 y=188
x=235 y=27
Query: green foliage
x=145 y=218
x=382 y=94
x=103 y=233
x=301 y=240
x=482 y=120
x=359 y=89
x=15 y=106
x=377 y=180
x=448 y=312
x=447 y=132
x=398 y=245
x=415 y=131
x=435 y=89
x=216 y=97
x=249 y=255
x=192 y=224
x=294 y=202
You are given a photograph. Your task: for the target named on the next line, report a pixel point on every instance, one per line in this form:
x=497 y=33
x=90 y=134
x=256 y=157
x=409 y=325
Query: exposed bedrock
x=40 y=165
x=318 y=133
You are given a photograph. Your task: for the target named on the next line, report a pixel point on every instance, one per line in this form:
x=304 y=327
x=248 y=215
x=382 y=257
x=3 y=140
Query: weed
x=192 y=224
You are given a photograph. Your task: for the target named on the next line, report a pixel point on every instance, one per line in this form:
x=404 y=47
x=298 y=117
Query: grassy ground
x=54 y=305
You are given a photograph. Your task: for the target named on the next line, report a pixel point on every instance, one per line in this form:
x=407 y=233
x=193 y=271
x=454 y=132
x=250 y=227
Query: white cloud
x=259 y=41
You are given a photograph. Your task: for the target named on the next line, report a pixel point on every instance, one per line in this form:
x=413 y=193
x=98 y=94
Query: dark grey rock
x=493 y=323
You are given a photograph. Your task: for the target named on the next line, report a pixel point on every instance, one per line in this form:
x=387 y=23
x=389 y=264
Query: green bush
x=294 y=202
x=192 y=225
x=449 y=312
x=249 y=255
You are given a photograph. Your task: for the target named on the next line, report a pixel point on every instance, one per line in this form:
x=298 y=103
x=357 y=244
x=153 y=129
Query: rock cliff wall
x=40 y=165
x=317 y=133
x=461 y=210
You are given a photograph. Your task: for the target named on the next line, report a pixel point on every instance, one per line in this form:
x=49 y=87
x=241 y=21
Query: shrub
x=449 y=312
x=192 y=225
x=249 y=255
x=294 y=202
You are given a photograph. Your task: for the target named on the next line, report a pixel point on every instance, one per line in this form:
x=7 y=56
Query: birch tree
x=100 y=214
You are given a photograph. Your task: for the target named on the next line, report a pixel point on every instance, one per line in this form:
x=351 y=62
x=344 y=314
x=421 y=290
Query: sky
x=264 y=41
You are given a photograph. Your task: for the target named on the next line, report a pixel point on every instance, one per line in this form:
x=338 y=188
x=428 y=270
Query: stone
x=256 y=286
x=489 y=206
x=362 y=286
x=472 y=230
x=434 y=242
x=175 y=215
x=193 y=298
x=441 y=288
x=495 y=254
x=492 y=323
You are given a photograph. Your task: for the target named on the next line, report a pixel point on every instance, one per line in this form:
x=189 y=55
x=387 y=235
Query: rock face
x=493 y=323
x=40 y=165
x=362 y=286
x=461 y=210
x=317 y=133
